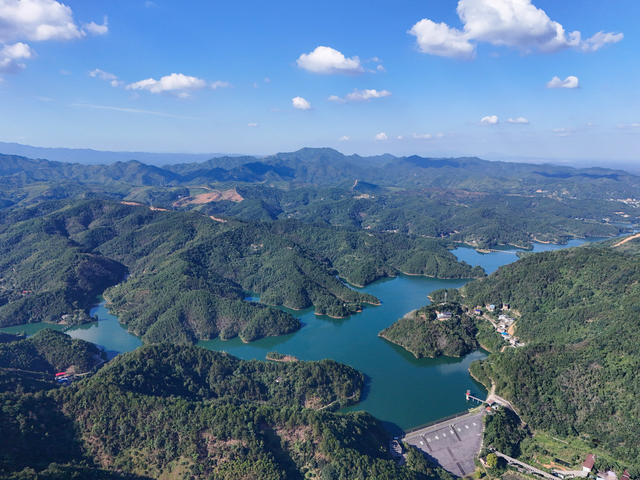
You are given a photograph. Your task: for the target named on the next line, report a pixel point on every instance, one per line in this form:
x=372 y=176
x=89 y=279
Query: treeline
x=185 y=412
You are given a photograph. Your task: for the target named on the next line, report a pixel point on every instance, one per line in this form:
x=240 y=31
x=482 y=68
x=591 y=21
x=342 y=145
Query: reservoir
x=402 y=391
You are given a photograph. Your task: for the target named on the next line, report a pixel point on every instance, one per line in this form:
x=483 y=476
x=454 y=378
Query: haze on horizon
x=499 y=79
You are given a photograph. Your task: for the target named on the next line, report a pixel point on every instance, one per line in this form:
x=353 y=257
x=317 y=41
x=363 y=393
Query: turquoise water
x=497 y=258
x=401 y=390
x=31 y=328
x=107 y=332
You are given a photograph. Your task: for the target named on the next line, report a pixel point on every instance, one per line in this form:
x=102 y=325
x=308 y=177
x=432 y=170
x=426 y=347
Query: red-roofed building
x=588 y=463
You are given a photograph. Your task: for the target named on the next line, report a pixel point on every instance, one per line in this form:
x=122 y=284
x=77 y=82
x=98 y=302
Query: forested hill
x=189 y=273
x=580 y=319
x=49 y=351
x=185 y=412
x=28 y=364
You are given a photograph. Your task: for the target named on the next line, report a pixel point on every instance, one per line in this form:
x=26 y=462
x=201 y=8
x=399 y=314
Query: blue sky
x=429 y=77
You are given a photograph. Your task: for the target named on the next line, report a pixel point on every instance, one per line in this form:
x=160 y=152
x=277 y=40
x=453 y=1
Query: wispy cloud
x=106 y=76
x=132 y=110
x=518 y=121
x=360 y=95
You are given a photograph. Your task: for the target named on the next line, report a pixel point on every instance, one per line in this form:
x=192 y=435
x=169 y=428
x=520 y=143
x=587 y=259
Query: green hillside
x=577 y=375
x=184 y=412
x=188 y=273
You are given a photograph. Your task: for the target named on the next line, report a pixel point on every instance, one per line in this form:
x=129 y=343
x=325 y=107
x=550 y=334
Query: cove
x=402 y=391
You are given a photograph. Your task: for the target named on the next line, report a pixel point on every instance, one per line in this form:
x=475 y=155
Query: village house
x=443 y=315
x=506 y=319
x=588 y=463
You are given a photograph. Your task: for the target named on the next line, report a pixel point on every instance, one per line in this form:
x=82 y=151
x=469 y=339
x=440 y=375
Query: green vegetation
x=487 y=336
x=424 y=335
x=184 y=412
x=49 y=351
x=579 y=316
x=467 y=199
x=544 y=449
x=503 y=432
x=188 y=273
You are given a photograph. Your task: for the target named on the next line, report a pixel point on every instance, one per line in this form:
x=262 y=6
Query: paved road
x=526 y=466
x=454 y=443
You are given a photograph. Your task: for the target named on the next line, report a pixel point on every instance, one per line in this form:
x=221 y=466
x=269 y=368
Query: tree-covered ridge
x=211 y=416
x=198 y=374
x=425 y=335
x=482 y=219
x=49 y=351
x=577 y=375
x=469 y=200
x=188 y=273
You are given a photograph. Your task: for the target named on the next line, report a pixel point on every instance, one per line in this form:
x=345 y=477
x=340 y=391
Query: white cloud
x=381 y=137
x=562 y=132
x=381 y=68
x=300 y=103
x=11 y=57
x=489 y=120
x=328 y=60
x=106 y=76
x=96 y=29
x=629 y=125
x=599 y=40
x=519 y=120
x=570 y=82
x=252 y=124
x=36 y=20
x=360 y=95
x=440 y=39
x=510 y=23
x=344 y=138
x=176 y=83
x=220 y=84
x=422 y=136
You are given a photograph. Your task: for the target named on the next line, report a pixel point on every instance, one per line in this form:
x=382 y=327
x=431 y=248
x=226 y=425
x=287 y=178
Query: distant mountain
x=92 y=157
x=328 y=167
